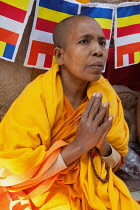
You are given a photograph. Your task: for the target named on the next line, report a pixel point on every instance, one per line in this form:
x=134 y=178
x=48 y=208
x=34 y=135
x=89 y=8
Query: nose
x=97 y=50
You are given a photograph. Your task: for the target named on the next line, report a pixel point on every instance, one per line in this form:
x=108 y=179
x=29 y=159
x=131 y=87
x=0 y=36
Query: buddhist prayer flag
x=40 y=52
x=127 y=34
x=48 y=14
x=13 y=19
x=103 y=14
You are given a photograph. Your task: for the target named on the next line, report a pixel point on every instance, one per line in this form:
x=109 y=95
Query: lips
x=98 y=65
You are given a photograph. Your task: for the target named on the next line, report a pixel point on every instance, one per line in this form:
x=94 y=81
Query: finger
x=107 y=105
x=95 y=107
x=109 y=126
x=106 y=115
x=105 y=127
x=99 y=118
x=88 y=107
x=103 y=136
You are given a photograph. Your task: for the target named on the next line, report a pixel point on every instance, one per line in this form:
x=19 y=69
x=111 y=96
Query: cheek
x=77 y=58
x=81 y=57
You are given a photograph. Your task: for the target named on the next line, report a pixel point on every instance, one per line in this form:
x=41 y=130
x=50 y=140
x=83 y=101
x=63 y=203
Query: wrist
x=105 y=150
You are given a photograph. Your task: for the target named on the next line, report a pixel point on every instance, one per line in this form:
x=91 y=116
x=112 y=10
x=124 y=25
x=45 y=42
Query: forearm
x=72 y=152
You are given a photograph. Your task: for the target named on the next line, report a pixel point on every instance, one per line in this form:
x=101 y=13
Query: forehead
x=85 y=26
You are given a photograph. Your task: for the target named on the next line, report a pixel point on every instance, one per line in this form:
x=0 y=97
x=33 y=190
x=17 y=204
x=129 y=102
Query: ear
x=59 y=54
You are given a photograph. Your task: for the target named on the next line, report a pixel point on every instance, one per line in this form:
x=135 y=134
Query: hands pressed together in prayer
x=92 y=130
x=94 y=125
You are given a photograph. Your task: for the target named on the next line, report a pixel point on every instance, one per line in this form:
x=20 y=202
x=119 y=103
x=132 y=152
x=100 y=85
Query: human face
x=85 y=53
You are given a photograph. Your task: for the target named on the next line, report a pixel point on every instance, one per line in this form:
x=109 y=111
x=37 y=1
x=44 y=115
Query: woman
x=65 y=133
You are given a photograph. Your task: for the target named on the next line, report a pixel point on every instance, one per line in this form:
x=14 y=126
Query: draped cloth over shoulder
x=32 y=133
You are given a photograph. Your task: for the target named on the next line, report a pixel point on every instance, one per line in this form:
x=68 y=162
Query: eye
x=103 y=43
x=84 y=41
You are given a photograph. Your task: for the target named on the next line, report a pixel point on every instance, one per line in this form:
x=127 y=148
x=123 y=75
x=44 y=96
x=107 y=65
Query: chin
x=95 y=77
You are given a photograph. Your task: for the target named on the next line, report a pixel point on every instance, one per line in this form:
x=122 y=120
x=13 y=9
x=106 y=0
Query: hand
x=94 y=125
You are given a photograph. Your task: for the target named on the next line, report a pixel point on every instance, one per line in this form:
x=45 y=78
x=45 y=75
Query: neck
x=74 y=90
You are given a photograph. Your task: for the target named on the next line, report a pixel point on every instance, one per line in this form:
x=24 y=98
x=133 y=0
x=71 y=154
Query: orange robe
x=83 y=1
x=39 y=123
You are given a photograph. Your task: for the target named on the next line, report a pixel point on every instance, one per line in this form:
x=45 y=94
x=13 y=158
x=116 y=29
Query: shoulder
x=103 y=86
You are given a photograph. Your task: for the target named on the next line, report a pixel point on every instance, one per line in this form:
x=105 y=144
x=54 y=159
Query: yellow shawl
x=27 y=150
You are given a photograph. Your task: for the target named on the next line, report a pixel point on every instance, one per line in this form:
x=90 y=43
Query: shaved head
x=63 y=29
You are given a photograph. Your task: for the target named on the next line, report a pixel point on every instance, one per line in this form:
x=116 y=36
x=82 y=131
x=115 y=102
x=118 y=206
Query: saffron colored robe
x=39 y=123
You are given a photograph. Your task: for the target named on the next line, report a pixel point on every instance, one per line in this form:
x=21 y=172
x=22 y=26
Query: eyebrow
x=102 y=38
x=89 y=36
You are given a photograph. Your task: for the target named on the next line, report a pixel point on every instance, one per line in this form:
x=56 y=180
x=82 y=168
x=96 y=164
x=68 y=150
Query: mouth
x=97 y=65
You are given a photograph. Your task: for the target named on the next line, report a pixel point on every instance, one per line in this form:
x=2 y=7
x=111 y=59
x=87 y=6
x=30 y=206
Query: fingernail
x=98 y=94
x=110 y=118
x=106 y=104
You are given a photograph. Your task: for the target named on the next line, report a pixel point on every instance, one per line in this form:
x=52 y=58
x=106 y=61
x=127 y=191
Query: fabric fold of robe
x=38 y=124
